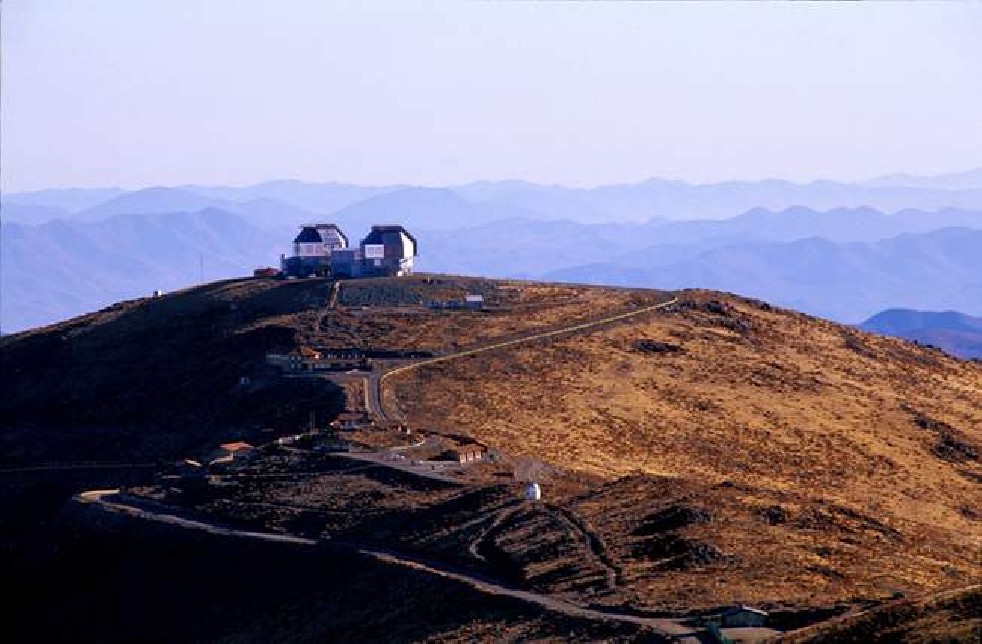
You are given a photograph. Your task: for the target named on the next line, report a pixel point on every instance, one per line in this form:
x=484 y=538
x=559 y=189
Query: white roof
x=743 y=608
x=475 y=298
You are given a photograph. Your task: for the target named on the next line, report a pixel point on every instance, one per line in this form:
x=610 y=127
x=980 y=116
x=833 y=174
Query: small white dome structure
x=533 y=492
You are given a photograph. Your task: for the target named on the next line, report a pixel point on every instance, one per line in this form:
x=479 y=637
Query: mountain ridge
x=640 y=201
x=954 y=332
x=846 y=281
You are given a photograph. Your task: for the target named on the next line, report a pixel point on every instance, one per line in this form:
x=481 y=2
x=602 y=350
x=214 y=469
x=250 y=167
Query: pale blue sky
x=133 y=93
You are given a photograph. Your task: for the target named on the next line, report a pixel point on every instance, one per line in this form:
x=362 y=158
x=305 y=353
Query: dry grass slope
x=721 y=451
x=837 y=464
x=954 y=616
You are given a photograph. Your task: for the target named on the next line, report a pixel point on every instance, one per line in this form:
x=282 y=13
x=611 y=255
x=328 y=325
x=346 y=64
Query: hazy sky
x=133 y=93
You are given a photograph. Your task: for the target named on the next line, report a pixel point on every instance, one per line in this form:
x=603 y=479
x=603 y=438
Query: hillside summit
x=694 y=450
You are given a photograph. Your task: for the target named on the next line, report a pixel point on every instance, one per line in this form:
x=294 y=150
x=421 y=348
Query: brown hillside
x=833 y=463
x=953 y=616
x=156 y=377
x=718 y=451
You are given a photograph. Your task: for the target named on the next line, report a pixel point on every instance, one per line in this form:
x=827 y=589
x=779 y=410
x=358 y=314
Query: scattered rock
x=951 y=445
x=672 y=518
x=838 y=517
x=953 y=450
x=716 y=307
x=855 y=344
x=655 y=347
x=775 y=515
x=738 y=325
x=672 y=552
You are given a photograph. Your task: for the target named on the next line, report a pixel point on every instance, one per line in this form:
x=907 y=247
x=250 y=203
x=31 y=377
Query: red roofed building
x=229 y=452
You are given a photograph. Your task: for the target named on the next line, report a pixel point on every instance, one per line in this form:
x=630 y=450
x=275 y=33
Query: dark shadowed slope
x=152 y=378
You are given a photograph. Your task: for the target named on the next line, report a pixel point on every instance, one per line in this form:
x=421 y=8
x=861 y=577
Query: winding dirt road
x=110 y=501
x=107 y=500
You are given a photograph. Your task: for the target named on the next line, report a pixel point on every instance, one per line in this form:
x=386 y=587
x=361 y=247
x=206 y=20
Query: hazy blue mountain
x=654 y=198
x=321 y=198
x=274 y=215
x=264 y=211
x=680 y=200
x=522 y=247
x=956 y=333
x=149 y=201
x=70 y=199
x=839 y=224
x=64 y=268
x=846 y=263
x=31 y=214
x=848 y=282
x=969 y=180
x=552 y=202
x=425 y=208
x=900 y=321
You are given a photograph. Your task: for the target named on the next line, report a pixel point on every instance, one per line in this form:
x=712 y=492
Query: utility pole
x=201 y=268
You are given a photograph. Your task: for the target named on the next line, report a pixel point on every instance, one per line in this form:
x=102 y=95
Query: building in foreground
x=322 y=249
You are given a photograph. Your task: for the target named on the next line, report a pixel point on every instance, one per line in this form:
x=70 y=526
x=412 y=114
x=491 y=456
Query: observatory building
x=322 y=249
x=312 y=250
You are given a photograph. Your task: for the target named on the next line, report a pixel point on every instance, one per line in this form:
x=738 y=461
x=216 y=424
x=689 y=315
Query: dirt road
x=107 y=500
x=376 y=382
x=667 y=627
x=110 y=501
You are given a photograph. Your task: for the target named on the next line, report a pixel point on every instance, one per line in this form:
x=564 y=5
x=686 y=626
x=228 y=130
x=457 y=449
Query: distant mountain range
x=61 y=269
x=68 y=199
x=956 y=333
x=654 y=198
x=63 y=252
x=969 y=180
x=843 y=281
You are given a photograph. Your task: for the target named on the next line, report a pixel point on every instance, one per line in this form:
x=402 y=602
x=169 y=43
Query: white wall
x=408 y=245
x=310 y=250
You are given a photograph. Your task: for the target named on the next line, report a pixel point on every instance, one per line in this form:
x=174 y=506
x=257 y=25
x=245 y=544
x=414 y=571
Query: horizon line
x=548 y=184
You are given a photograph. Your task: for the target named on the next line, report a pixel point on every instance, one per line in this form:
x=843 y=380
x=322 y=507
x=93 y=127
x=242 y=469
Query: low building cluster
x=306 y=359
x=467 y=453
x=322 y=249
